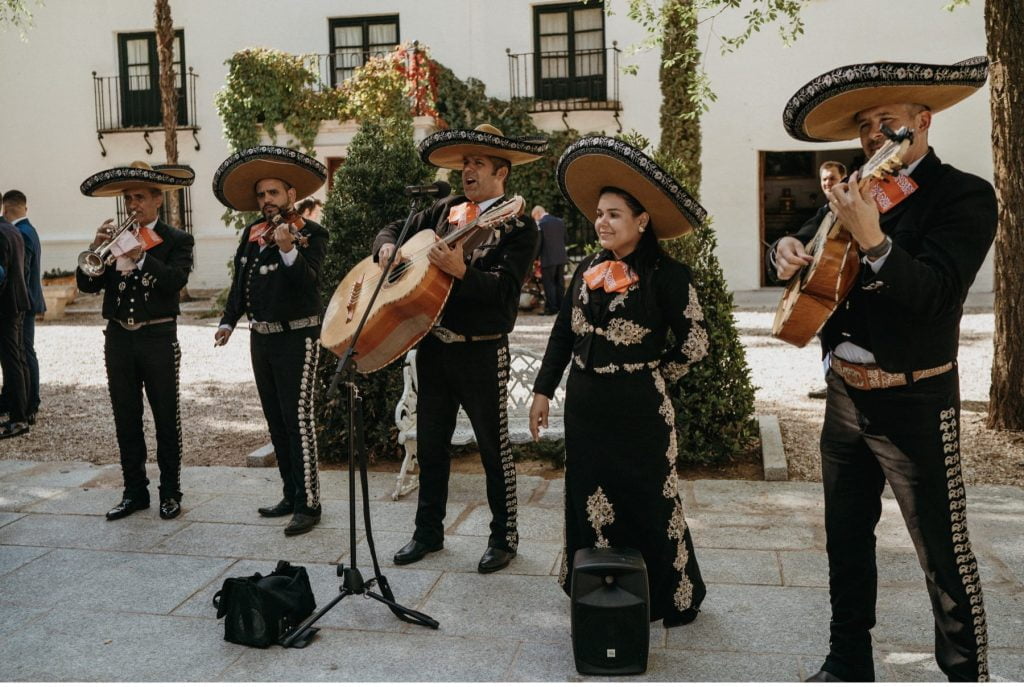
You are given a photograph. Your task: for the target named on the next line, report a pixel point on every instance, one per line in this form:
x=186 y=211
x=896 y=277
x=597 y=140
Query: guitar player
x=893 y=403
x=464 y=360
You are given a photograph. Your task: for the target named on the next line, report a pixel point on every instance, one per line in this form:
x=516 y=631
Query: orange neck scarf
x=614 y=276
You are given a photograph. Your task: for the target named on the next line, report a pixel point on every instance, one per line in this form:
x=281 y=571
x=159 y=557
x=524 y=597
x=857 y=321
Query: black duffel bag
x=260 y=610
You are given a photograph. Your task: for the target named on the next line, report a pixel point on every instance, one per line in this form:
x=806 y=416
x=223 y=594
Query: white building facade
x=76 y=100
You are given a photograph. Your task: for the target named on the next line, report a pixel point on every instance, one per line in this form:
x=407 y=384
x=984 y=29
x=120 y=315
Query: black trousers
x=909 y=437
x=475 y=376
x=285 y=368
x=148 y=358
x=15 y=398
x=31 y=361
x=553 y=280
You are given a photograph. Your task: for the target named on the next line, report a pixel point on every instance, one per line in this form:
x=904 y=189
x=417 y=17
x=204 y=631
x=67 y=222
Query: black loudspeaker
x=610 y=612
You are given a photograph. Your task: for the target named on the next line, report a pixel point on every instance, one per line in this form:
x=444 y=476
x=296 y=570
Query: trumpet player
x=141 y=267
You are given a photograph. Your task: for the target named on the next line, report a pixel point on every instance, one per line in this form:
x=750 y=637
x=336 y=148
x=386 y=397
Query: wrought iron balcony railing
x=566 y=81
x=137 y=108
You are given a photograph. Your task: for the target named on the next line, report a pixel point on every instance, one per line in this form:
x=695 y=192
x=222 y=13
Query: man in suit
x=553 y=258
x=140 y=304
x=276 y=286
x=14 y=303
x=893 y=403
x=15 y=210
x=464 y=360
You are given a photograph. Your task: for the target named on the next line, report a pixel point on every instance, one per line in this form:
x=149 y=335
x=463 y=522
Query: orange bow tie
x=464 y=213
x=614 y=275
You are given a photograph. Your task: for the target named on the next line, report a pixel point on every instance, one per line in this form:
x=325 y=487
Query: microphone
x=438 y=188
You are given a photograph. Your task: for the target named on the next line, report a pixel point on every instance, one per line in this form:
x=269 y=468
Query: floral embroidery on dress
x=637 y=367
x=563 y=568
x=673 y=371
x=625 y=332
x=683 y=597
x=620 y=299
x=693 y=310
x=580 y=326
x=578 y=361
x=584 y=293
x=601 y=514
x=609 y=369
x=696 y=346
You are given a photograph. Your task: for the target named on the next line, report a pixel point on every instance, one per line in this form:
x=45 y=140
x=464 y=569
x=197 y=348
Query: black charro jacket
x=908 y=314
x=154 y=286
x=486 y=300
x=265 y=290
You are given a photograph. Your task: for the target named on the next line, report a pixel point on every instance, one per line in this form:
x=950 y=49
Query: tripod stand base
x=301 y=638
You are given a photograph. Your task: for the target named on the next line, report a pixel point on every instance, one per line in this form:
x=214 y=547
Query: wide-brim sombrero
x=594 y=162
x=447 y=148
x=117 y=180
x=234 y=182
x=824 y=108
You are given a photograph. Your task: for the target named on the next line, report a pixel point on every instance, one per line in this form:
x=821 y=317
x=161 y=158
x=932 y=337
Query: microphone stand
x=352 y=579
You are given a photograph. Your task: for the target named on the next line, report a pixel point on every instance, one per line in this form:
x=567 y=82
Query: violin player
x=276 y=285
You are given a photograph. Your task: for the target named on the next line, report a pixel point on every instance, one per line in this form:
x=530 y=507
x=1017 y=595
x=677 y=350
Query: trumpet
x=94 y=262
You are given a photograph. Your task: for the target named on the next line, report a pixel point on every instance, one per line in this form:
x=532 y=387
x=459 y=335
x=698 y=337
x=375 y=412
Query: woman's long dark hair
x=649 y=249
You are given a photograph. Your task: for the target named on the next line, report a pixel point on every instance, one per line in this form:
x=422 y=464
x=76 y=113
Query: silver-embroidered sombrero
x=824 y=108
x=234 y=182
x=594 y=162
x=117 y=180
x=447 y=148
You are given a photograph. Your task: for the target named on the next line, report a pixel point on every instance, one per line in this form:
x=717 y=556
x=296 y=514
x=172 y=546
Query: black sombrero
x=234 y=182
x=447 y=148
x=594 y=162
x=115 y=181
x=824 y=108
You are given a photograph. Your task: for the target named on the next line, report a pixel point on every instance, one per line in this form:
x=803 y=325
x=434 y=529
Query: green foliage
x=367 y=195
x=16 y=13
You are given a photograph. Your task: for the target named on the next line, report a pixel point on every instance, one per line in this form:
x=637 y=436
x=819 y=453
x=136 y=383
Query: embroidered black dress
x=621 y=487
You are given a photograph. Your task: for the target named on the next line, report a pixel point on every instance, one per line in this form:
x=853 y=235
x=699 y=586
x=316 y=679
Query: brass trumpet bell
x=94 y=262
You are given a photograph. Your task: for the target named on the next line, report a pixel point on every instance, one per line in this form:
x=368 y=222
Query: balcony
x=566 y=81
x=138 y=109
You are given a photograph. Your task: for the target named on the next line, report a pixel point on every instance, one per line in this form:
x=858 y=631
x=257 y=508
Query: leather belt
x=867 y=377
x=278 y=327
x=448 y=336
x=131 y=325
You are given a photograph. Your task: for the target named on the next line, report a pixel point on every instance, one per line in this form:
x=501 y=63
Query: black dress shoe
x=494 y=559
x=285 y=507
x=12 y=429
x=300 y=524
x=126 y=508
x=169 y=509
x=823 y=676
x=414 y=551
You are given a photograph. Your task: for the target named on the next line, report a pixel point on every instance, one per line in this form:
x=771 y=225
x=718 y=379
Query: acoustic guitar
x=411 y=300
x=814 y=293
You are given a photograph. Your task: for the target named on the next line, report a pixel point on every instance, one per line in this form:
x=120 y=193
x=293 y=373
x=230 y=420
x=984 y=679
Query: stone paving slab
x=895 y=567
x=8 y=518
x=15 y=497
x=537 y=524
x=60 y=474
x=743 y=531
x=758 y=497
x=93 y=501
x=346 y=656
x=111 y=581
x=84 y=646
x=322 y=545
x=13 y=466
x=530 y=608
x=13 y=557
x=737 y=566
x=135 y=533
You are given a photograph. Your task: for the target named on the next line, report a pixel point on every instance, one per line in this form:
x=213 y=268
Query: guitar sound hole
x=396 y=274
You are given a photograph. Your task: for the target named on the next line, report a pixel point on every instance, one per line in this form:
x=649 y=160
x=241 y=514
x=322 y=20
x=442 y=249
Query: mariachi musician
x=276 y=286
x=141 y=266
x=892 y=409
x=464 y=359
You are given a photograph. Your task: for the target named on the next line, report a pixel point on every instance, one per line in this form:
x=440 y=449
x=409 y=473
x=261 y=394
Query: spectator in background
x=830 y=173
x=13 y=305
x=15 y=211
x=553 y=258
x=310 y=209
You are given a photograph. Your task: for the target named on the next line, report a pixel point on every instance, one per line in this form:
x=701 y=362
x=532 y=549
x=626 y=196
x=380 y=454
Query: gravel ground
x=222 y=421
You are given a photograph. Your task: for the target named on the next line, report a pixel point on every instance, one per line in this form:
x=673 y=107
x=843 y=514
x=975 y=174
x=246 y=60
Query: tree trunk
x=680 y=136
x=169 y=106
x=1004 y=26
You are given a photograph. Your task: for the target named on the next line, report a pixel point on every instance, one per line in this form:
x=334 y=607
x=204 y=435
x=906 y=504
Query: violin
x=264 y=234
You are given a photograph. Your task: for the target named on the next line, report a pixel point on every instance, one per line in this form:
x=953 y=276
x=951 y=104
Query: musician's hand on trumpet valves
x=104 y=232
